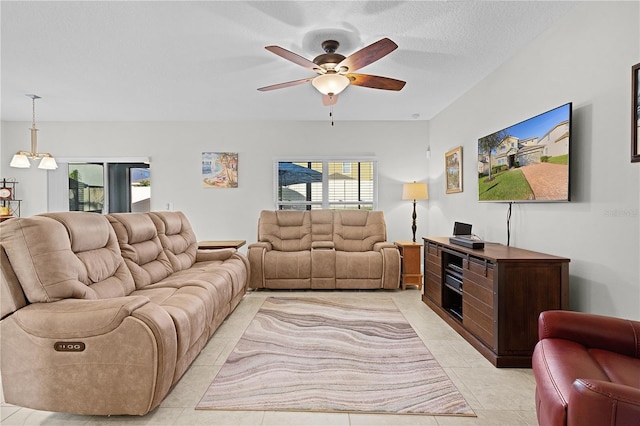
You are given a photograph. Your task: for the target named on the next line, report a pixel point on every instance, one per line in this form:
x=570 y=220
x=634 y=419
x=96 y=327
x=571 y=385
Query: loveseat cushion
x=285 y=230
x=358 y=230
x=287 y=265
x=141 y=247
x=362 y=265
x=322 y=226
x=66 y=255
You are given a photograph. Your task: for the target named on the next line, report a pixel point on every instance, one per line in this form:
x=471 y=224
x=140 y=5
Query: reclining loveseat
x=323 y=249
x=103 y=314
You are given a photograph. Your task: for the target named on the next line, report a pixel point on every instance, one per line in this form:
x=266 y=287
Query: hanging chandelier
x=21 y=158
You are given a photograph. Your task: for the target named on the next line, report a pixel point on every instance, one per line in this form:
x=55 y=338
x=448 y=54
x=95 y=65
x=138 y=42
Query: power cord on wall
x=509 y=224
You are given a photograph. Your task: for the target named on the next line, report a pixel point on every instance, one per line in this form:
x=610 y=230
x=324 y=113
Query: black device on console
x=460 y=228
x=462 y=236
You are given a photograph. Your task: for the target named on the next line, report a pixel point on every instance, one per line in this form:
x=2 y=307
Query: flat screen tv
x=527 y=162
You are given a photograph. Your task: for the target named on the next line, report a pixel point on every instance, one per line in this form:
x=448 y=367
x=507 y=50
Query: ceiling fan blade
x=368 y=55
x=329 y=100
x=376 y=82
x=293 y=57
x=283 y=85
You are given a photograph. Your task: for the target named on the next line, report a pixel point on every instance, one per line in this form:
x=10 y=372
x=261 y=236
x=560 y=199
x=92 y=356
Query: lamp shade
x=415 y=191
x=20 y=161
x=330 y=84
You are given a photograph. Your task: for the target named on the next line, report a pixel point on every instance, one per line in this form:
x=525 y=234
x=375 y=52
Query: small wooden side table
x=220 y=244
x=410 y=270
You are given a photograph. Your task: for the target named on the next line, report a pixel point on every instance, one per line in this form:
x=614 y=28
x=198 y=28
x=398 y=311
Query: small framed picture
x=453 y=170
x=635 y=113
x=220 y=169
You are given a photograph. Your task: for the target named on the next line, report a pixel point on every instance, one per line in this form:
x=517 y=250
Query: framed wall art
x=453 y=170
x=635 y=113
x=220 y=169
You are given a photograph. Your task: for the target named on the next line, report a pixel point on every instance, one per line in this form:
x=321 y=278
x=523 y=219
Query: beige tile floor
x=498 y=396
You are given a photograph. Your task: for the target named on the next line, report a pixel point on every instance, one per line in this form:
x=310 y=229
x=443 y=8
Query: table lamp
x=415 y=191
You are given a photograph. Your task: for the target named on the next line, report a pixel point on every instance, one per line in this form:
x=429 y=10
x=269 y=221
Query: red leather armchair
x=587 y=369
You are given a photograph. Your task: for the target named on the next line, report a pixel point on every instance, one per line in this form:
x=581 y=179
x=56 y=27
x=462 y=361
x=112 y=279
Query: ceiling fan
x=335 y=71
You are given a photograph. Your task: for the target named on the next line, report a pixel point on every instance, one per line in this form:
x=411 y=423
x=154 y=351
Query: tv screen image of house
x=527 y=162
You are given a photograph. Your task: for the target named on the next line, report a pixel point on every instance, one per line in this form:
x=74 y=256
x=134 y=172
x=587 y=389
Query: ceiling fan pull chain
x=331 y=114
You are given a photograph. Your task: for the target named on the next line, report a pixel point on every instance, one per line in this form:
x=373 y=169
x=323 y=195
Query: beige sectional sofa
x=104 y=314
x=323 y=249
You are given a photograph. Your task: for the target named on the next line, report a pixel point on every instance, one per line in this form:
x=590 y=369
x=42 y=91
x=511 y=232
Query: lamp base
x=414 y=216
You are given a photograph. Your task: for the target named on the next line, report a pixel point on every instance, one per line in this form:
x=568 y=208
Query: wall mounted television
x=529 y=161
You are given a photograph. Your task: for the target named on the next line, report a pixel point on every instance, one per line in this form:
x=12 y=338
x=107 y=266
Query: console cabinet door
x=478 y=300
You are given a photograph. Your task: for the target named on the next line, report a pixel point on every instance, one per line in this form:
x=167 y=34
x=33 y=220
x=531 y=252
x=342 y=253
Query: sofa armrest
x=76 y=318
x=255 y=254
x=262 y=245
x=391 y=265
x=99 y=357
x=603 y=403
x=592 y=331
x=384 y=245
x=203 y=255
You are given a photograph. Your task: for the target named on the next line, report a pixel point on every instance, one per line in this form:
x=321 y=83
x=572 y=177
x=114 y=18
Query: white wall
x=175 y=150
x=586 y=60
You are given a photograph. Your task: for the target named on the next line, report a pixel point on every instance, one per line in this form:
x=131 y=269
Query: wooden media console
x=493 y=296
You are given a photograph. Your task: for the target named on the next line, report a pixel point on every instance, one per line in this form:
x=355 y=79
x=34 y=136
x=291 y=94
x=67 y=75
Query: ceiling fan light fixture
x=330 y=84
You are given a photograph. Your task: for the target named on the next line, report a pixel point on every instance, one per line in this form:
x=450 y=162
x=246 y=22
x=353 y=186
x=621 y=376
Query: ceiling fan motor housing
x=330 y=56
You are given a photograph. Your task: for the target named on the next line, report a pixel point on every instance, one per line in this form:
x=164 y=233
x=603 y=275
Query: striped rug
x=333 y=355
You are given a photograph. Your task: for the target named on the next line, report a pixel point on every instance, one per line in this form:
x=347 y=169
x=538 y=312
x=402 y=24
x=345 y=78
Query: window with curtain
x=325 y=184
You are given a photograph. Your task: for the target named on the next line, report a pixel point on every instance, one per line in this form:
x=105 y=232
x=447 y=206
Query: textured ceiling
x=204 y=60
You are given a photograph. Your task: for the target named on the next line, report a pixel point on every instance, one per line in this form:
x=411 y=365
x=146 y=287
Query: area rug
x=331 y=354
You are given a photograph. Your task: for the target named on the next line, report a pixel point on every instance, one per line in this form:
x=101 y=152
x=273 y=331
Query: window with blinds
x=325 y=184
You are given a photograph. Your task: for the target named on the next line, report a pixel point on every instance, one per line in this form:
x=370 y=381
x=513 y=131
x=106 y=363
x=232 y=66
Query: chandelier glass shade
x=21 y=158
x=330 y=83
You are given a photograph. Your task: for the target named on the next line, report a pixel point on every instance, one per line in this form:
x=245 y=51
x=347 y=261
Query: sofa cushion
x=66 y=255
x=358 y=230
x=619 y=368
x=177 y=238
x=11 y=296
x=286 y=230
x=141 y=247
x=191 y=308
x=554 y=375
